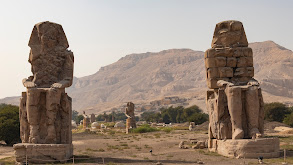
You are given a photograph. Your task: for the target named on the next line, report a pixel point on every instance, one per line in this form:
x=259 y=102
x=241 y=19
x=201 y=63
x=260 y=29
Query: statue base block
x=246 y=148
x=42 y=153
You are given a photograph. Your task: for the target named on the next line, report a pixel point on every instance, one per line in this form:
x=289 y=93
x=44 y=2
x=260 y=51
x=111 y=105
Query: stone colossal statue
x=234 y=99
x=45 y=109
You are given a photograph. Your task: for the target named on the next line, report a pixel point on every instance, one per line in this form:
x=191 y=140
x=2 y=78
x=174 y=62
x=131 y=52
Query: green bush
x=176 y=115
x=77 y=118
x=289 y=119
x=167 y=129
x=275 y=111
x=143 y=129
x=9 y=124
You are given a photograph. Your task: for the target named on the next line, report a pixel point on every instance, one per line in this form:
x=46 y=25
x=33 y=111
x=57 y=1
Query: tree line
x=176 y=115
x=9 y=117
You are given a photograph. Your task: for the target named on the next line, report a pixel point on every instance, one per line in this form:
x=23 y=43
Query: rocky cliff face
x=176 y=72
x=145 y=76
x=150 y=76
x=274 y=68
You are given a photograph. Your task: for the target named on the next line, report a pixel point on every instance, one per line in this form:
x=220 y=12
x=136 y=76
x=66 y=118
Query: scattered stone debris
x=200 y=162
x=182 y=146
x=199 y=145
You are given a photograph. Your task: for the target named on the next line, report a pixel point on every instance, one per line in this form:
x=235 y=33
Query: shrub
x=198 y=118
x=143 y=129
x=167 y=129
x=9 y=124
x=78 y=119
x=275 y=111
x=289 y=119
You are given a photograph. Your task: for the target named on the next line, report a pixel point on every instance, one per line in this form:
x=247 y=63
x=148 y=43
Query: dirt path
x=6 y=152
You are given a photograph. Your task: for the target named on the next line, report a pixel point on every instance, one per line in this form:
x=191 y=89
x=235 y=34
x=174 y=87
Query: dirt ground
x=112 y=147
x=6 y=151
x=133 y=149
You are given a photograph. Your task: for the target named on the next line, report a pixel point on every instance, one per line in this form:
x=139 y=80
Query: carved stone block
x=225 y=72
x=231 y=62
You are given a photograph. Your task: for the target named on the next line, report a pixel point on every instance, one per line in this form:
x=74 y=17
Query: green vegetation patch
x=143 y=129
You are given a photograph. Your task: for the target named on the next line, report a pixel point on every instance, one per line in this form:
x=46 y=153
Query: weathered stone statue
x=86 y=120
x=45 y=109
x=234 y=101
x=191 y=126
x=93 y=118
x=129 y=112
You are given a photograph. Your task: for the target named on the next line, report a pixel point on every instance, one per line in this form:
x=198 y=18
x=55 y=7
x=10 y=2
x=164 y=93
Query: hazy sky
x=100 y=32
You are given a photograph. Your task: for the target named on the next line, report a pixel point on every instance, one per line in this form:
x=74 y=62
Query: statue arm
x=126 y=113
x=253 y=82
x=222 y=83
x=27 y=82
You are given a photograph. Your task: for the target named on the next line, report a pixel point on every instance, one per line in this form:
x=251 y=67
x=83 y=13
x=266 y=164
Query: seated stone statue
x=46 y=106
x=235 y=101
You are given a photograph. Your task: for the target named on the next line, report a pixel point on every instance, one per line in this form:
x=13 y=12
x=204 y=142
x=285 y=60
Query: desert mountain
x=144 y=77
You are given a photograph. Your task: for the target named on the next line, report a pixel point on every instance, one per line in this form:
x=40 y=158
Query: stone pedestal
x=42 y=153
x=246 y=148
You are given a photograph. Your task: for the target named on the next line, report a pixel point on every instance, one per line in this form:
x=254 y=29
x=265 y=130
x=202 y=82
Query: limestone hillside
x=176 y=72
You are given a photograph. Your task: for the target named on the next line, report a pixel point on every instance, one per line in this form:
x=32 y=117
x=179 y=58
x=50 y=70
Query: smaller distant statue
x=86 y=120
x=129 y=112
x=191 y=126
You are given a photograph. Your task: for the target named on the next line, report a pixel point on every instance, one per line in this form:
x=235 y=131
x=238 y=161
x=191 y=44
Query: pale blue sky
x=102 y=31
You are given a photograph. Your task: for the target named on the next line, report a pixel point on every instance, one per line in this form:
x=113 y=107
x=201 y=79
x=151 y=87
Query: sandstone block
x=212 y=73
x=240 y=72
x=210 y=63
x=223 y=52
x=241 y=62
x=250 y=71
x=212 y=83
x=249 y=61
x=210 y=53
x=220 y=61
x=231 y=62
x=225 y=72
x=248 y=148
x=43 y=153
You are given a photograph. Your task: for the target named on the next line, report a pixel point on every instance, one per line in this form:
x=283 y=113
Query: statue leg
x=53 y=97
x=33 y=98
x=252 y=110
x=235 y=110
x=65 y=128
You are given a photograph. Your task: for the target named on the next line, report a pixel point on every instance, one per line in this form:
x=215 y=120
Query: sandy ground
x=6 y=151
x=119 y=148
x=114 y=147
